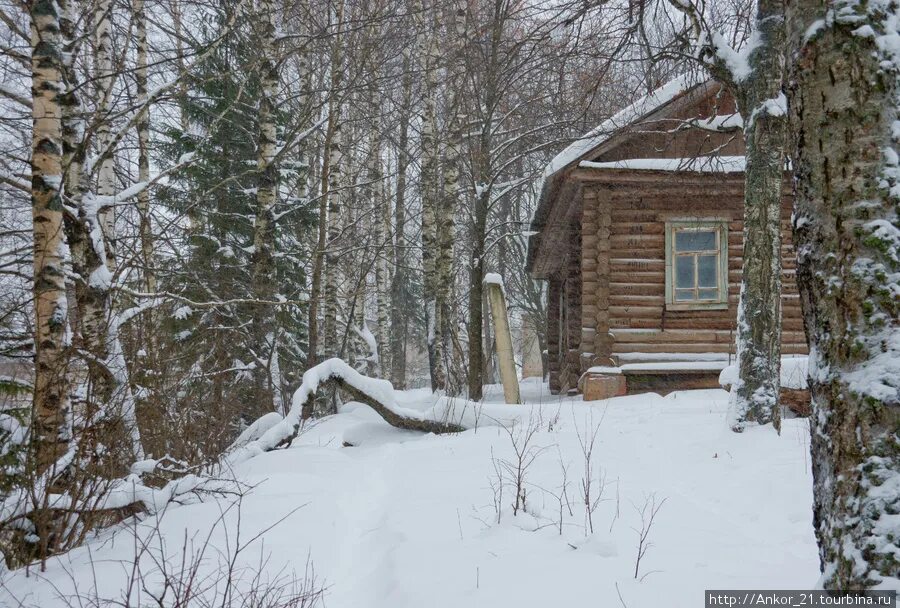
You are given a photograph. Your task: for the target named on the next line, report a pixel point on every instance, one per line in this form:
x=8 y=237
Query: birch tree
x=267 y=378
x=400 y=280
x=428 y=188
x=382 y=230
x=51 y=389
x=333 y=193
x=451 y=199
x=755 y=76
x=845 y=64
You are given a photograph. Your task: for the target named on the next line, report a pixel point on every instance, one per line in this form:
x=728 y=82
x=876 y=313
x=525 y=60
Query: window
x=696 y=264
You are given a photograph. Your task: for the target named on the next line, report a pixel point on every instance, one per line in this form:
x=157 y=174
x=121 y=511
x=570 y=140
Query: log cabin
x=638 y=233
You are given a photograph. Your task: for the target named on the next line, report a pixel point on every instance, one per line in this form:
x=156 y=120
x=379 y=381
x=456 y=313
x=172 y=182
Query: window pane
x=684 y=271
x=709 y=294
x=706 y=271
x=682 y=295
x=695 y=240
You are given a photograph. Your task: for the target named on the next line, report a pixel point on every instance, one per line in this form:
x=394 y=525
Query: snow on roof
x=700 y=164
x=620 y=119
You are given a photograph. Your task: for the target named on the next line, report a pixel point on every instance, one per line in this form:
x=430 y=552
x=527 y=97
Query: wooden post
x=503 y=338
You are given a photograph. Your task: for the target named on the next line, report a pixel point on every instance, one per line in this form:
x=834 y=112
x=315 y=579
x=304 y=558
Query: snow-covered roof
x=668 y=100
x=623 y=118
x=699 y=164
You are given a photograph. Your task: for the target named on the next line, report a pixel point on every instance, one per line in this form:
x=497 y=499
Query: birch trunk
x=145 y=229
x=331 y=347
x=450 y=198
x=399 y=283
x=107 y=396
x=106 y=177
x=179 y=56
x=51 y=391
x=74 y=149
x=267 y=384
x=429 y=192
x=757 y=88
x=143 y=133
x=844 y=117
x=318 y=266
x=764 y=108
x=381 y=219
x=304 y=102
x=332 y=270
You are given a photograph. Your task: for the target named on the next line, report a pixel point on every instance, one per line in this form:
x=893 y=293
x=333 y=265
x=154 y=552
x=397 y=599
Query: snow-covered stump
x=503 y=338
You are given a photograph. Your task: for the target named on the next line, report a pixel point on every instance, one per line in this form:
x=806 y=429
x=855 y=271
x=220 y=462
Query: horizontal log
x=658 y=195
x=637 y=277
x=638 y=228
x=626 y=253
x=673 y=336
x=630 y=265
x=794 y=349
x=616 y=299
x=724 y=317
x=637 y=240
x=689 y=336
x=645 y=347
x=650 y=288
x=624 y=312
x=718 y=324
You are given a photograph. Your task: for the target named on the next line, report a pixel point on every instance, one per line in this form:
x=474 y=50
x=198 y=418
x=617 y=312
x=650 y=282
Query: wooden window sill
x=697 y=306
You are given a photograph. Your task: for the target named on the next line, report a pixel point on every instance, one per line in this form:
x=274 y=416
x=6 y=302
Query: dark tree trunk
x=475 y=377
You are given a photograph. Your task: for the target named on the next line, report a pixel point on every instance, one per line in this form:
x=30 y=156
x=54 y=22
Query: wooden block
x=596 y=387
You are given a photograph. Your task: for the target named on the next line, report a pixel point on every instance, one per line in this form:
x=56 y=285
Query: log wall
x=565 y=339
x=624 y=273
x=602 y=247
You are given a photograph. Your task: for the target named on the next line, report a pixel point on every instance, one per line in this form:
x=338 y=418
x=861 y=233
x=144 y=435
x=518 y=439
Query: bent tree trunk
x=844 y=112
x=357 y=392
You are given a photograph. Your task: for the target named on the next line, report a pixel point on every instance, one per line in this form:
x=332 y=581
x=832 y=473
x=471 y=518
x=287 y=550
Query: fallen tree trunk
x=390 y=416
x=112 y=500
x=377 y=394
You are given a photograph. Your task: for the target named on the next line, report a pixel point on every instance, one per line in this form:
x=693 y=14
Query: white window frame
x=720 y=226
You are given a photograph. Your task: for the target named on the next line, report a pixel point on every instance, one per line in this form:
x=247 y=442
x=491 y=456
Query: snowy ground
x=405 y=520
